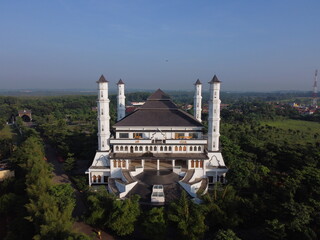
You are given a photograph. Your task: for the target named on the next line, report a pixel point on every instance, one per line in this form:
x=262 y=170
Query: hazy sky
x=252 y=45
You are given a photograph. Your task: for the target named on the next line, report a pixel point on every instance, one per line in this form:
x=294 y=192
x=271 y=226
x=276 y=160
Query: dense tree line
x=34 y=207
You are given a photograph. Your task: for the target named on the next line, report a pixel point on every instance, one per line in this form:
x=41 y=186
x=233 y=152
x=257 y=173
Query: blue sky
x=251 y=45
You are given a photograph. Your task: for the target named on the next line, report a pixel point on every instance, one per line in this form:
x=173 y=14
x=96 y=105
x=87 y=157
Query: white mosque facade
x=157 y=136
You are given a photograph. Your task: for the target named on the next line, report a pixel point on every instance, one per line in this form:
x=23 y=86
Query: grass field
x=301 y=131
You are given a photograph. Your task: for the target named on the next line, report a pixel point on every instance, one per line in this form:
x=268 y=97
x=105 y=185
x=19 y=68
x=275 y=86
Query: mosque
x=157 y=138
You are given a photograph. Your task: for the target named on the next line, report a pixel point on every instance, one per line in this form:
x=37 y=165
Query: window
x=136 y=148
x=180 y=148
x=165 y=148
x=199 y=148
x=170 y=149
x=161 y=148
x=140 y=148
x=117 y=148
x=137 y=135
x=179 y=136
x=121 y=148
x=126 y=148
x=147 y=149
x=184 y=148
x=193 y=135
x=155 y=149
x=190 y=149
x=124 y=135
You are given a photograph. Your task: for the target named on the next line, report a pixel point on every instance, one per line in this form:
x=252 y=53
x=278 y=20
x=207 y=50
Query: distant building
x=25 y=114
x=157 y=137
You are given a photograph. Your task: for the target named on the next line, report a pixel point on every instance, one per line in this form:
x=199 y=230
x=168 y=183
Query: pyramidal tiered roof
x=120 y=82
x=197 y=82
x=215 y=80
x=159 y=110
x=102 y=79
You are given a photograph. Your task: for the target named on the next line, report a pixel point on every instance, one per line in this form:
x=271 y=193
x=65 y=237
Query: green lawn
x=298 y=130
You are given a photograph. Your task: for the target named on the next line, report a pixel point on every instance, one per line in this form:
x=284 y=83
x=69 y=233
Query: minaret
x=103 y=115
x=197 y=100
x=214 y=115
x=121 y=107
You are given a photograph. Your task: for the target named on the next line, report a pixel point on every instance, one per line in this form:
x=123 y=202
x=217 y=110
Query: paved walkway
x=80 y=208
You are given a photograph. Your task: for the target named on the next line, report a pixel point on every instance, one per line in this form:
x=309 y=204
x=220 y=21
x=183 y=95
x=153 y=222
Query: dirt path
x=80 y=208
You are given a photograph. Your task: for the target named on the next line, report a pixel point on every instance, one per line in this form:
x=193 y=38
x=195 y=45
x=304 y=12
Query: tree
x=69 y=164
x=155 y=224
x=187 y=217
x=123 y=215
x=275 y=230
x=226 y=235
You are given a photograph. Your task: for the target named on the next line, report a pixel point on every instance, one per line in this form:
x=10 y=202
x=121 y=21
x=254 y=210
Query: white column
x=121 y=107
x=103 y=115
x=173 y=163
x=142 y=163
x=89 y=178
x=158 y=164
x=214 y=115
x=197 y=100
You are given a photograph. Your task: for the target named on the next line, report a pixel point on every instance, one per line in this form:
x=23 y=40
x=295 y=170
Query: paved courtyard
x=148 y=178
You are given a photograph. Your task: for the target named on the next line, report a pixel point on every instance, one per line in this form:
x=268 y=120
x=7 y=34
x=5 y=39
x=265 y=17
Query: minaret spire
x=121 y=107
x=197 y=100
x=214 y=115
x=103 y=115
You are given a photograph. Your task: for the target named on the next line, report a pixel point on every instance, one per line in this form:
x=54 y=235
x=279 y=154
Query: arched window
x=165 y=148
x=94 y=178
x=131 y=149
x=184 y=148
x=180 y=148
x=176 y=148
x=117 y=148
x=170 y=148
x=126 y=148
x=155 y=148
x=99 y=178
x=140 y=148
x=147 y=149
x=161 y=148
x=136 y=148
x=199 y=148
x=190 y=149
x=194 y=148
x=121 y=148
